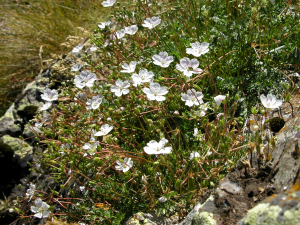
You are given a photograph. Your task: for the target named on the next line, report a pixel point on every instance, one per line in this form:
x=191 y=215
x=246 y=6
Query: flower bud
x=97 y=160
x=177 y=184
x=98 y=176
x=137 y=110
x=230 y=162
x=55 y=193
x=236 y=97
x=254 y=110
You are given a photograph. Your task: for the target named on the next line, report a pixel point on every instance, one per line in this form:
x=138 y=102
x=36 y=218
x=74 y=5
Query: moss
x=276 y=123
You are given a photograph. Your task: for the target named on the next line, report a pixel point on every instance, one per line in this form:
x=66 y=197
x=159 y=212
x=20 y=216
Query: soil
x=255 y=187
x=253 y=184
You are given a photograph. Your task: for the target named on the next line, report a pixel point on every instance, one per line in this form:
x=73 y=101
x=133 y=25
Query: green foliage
x=112 y=175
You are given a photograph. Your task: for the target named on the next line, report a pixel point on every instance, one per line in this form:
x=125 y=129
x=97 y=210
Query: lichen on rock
x=21 y=149
x=204 y=218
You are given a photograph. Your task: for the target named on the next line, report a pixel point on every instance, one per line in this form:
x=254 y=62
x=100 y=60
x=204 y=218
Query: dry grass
x=26 y=27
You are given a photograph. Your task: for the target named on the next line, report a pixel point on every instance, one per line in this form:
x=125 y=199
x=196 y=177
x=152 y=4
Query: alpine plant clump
x=153 y=118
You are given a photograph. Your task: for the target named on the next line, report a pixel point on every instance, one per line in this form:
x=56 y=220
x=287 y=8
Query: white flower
x=10 y=210
x=121 y=88
x=196 y=132
x=162 y=199
x=198 y=49
x=128 y=68
x=102 y=25
x=90 y=147
x=192 y=97
x=91 y=49
x=40 y=209
x=85 y=78
x=202 y=110
x=104 y=130
x=151 y=22
x=108 y=3
x=157 y=148
x=162 y=59
x=46 y=106
x=194 y=154
x=124 y=166
x=77 y=49
x=219 y=99
x=65 y=146
x=156 y=92
x=82 y=188
x=112 y=37
x=120 y=33
x=270 y=102
x=95 y=102
x=49 y=95
x=106 y=43
x=76 y=67
x=38 y=125
x=220 y=78
x=30 y=191
x=143 y=77
x=131 y=30
x=188 y=67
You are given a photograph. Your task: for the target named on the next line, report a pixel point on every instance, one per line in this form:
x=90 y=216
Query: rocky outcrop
x=240 y=191
x=279 y=209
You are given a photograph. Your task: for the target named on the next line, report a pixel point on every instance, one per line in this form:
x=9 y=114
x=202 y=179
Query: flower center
x=190 y=69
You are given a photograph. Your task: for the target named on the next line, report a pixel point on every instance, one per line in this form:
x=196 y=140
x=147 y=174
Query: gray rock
x=7 y=124
x=230 y=187
x=147 y=219
x=204 y=218
x=279 y=209
x=21 y=149
x=285 y=162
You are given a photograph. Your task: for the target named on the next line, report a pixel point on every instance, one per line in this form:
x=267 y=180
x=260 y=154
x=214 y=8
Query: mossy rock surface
x=20 y=148
x=277 y=209
x=204 y=218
